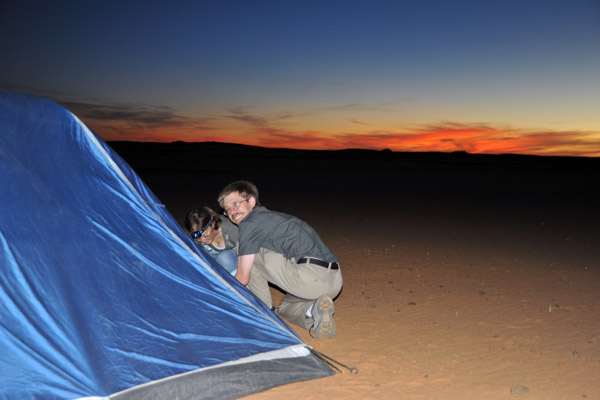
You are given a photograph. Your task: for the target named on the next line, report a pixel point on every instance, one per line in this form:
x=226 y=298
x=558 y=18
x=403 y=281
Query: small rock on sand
x=519 y=390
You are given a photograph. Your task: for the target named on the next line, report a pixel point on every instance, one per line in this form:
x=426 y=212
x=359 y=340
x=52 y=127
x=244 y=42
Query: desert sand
x=465 y=276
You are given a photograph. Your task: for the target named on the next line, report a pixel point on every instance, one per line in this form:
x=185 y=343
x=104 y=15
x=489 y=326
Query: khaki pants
x=303 y=284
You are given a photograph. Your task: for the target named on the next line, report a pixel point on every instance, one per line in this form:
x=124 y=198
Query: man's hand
x=244 y=266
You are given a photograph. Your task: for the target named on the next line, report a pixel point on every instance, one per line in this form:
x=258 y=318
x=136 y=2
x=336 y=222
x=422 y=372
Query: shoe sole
x=324 y=326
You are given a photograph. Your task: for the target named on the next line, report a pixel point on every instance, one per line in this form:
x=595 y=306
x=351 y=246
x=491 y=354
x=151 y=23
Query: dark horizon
x=349 y=149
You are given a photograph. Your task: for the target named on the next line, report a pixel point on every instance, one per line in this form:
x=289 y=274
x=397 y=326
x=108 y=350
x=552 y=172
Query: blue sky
x=478 y=76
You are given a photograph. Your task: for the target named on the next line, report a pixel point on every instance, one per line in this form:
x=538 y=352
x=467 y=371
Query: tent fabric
x=101 y=292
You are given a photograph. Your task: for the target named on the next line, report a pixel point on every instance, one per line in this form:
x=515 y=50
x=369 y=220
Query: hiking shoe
x=322 y=311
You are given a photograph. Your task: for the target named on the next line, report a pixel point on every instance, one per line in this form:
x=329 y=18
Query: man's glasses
x=233 y=206
x=199 y=234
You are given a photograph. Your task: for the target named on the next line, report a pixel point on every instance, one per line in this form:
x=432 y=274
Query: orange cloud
x=447 y=137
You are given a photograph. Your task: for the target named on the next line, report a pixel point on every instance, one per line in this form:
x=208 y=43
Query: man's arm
x=244 y=267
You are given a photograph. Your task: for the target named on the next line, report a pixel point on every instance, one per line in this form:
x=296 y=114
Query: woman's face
x=209 y=235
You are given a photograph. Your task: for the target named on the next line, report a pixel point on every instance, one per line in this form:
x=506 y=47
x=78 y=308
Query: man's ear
x=252 y=201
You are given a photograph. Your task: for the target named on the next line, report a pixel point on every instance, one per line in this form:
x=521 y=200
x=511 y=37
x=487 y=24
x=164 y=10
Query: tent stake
x=329 y=360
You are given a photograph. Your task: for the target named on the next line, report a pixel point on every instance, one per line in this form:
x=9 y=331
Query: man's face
x=237 y=207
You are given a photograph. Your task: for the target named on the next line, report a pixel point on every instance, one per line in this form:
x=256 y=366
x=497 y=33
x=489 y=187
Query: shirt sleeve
x=251 y=238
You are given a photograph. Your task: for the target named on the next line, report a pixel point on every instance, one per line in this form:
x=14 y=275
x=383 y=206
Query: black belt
x=320 y=263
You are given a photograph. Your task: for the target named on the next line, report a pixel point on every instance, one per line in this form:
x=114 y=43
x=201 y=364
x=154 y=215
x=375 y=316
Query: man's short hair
x=246 y=189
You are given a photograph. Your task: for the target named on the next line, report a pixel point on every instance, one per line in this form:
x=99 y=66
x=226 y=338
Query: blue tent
x=101 y=292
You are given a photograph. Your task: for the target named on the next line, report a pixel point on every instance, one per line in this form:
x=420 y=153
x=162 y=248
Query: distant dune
x=202 y=169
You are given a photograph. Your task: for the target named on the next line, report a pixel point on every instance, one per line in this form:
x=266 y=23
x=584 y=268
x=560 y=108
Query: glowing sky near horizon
x=477 y=76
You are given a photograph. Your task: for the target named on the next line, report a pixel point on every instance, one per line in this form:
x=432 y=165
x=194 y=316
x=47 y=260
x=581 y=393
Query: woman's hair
x=246 y=189
x=196 y=219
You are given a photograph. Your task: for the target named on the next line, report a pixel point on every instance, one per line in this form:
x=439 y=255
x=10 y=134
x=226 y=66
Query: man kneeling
x=281 y=249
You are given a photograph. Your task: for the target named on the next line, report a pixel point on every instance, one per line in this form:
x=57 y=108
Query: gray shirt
x=281 y=233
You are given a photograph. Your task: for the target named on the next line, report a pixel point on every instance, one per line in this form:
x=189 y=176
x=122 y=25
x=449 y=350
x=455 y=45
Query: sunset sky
x=512 y=76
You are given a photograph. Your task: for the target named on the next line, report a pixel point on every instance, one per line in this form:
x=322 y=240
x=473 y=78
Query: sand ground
x=465 y=277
